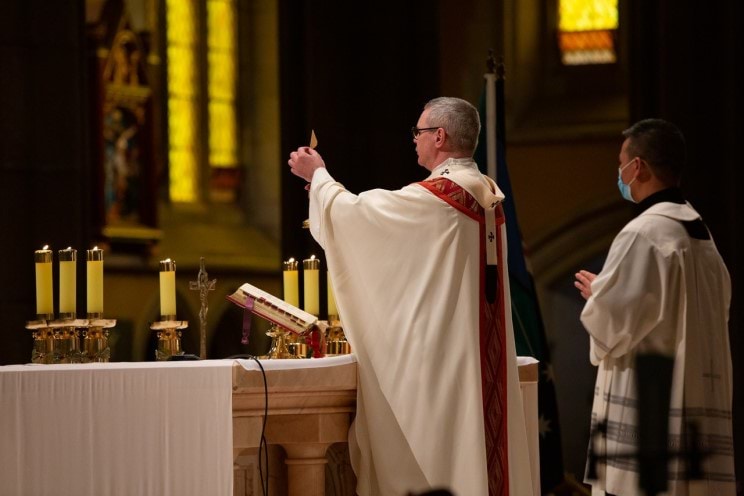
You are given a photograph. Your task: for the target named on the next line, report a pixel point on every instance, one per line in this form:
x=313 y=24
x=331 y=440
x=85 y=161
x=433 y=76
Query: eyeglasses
x=415 y=131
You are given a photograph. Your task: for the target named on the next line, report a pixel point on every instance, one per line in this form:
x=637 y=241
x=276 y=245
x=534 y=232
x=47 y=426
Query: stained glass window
x=221 y=65
x=187 y=100
x=181 y=44
x=586 y=31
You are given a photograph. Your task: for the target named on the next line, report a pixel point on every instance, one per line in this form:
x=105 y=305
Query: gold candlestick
x=279 y=348
x=95 y=340
x=169 y=338
x=336 y=342
x=168 y=328
x=167 y=289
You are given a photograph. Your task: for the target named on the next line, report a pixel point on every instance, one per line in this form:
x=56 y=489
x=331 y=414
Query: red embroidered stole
x=492 y=337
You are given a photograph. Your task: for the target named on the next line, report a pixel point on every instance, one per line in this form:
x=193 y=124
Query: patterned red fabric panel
x=493 y=373
x=492 y=339
x=455 y=196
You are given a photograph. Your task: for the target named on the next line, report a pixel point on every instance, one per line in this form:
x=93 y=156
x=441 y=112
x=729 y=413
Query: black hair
x=661 y=144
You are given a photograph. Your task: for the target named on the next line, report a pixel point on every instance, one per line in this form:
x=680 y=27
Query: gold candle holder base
x=67 y=345
x=43 y=350
x=279 y=343
x=336 y=343
x=297 y=346
x=95 y=340
x=58 y=341
x=169 y=338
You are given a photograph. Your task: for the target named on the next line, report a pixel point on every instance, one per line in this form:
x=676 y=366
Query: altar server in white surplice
x=664 y=289
x=422 y=290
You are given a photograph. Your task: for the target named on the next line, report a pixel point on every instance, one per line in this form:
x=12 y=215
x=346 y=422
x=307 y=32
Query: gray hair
x=458 y=118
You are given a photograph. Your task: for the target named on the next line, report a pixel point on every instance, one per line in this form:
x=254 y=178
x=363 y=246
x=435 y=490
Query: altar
x=186 y=427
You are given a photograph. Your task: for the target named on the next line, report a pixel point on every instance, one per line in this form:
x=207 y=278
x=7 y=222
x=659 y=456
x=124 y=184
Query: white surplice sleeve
x=636 y=298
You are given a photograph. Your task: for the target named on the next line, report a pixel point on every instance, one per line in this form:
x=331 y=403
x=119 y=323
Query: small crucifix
x=204 y=286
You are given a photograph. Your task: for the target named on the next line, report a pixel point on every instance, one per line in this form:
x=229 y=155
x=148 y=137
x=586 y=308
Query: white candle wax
x=67 y=281
x=291 y=279
x=311 y=268
x=94 y=272
x=168 y=288
x=332 y=310
x=44 y=286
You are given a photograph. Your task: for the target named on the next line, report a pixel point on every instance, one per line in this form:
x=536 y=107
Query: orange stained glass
x=586 y=31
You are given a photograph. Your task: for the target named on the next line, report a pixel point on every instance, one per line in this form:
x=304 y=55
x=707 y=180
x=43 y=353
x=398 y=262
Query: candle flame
x=291 y=259
x=312 y=257
x=46 y=247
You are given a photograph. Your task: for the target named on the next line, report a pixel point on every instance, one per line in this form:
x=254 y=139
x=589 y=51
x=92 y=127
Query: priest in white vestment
x=664 y=289
x=422 y=290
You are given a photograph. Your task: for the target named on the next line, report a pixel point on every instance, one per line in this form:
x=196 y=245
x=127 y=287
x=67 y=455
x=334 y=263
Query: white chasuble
x=663 y=291
x=408 y=269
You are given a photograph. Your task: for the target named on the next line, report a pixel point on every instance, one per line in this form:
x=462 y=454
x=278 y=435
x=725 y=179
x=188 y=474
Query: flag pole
x=490 y=78
x=500 y=118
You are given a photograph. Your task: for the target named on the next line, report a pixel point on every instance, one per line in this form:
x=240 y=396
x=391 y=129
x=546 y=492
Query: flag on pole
x=529 y=332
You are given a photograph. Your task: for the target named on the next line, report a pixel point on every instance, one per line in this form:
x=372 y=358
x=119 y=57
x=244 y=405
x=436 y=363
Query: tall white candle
x=44 y=286
x=67 y=282
x=168 y=288
x=332 y=310
x=94 y=273
x=291 y=280
x=311 y=267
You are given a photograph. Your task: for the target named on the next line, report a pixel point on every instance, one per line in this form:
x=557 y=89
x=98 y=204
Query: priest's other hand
x=583 y=283
x=304 y=162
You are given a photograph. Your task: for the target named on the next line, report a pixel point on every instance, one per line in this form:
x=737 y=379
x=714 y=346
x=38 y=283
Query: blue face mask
x=625 y=188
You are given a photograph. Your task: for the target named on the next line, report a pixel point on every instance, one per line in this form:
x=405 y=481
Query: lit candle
x=332 y=310
x=291 y=282
x=67 y=282
x=94 y=273
x=168 y=289
x=44 y=287
x=311 y=267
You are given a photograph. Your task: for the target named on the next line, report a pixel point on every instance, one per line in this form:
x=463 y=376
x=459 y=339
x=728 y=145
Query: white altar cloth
x=150 y=428
x=293 y=363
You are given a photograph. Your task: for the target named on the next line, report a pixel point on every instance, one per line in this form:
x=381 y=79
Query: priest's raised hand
x=304 y=162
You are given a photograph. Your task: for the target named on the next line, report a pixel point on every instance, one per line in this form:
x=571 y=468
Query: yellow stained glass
x=587 y=15
x=181 y=71
x=182 y=176
x=179 y=21
x=222 y=142
x=220 y=25
x=221 y=83
x=181 y=42
x=180 y=123
x=221 y=76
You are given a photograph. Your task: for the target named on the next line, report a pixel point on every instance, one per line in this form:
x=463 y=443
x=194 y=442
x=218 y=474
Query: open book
x=273 y=309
